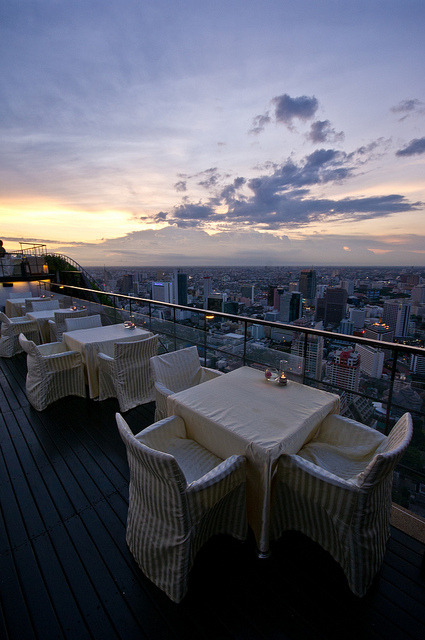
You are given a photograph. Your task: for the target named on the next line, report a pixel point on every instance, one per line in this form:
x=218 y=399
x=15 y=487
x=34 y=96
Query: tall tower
x=397 y=316
x=307 y=284
x=335 y=305
x=180 y=287
x=344 y=369
x=291 y=306
x=314 y=355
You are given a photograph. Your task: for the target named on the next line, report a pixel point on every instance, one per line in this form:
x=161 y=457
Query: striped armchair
x=53 y=373
x=180 y=496
x=127 y=376
x=58 y=326
x=176 y=371
x=337 y=491
x=10 y=330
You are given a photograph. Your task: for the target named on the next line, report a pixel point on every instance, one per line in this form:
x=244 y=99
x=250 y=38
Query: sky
x=180 y=132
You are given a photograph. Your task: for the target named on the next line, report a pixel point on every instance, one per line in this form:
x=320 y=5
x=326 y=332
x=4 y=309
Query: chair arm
x=105 y=357
x=51 y=348
x=62 y=361
x=337 y=430
x=18 y=325
x=286 y=466
x=162 y=389
x=209 y=374
x=158 y=434
x=204 y=494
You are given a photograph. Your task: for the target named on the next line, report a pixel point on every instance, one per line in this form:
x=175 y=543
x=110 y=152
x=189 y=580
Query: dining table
x=89 y=342
x=244 y=413
x=42 y=318
x=15 y=307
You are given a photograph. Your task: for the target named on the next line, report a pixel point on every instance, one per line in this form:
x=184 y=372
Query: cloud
x=409 y=108
x=283 y=198
x=415 y=146
x=259 y=122
x=287 y=108
x=181 y=185
x=321 y=131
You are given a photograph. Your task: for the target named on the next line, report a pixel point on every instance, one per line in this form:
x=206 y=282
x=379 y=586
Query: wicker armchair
x=10 y=330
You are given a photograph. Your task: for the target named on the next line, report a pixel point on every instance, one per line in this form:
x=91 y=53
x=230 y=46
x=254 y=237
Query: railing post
x=305 y=354
x=390 y=392
x=174 y=326
x=245 y=334
x=205 y=339
x=150 y=316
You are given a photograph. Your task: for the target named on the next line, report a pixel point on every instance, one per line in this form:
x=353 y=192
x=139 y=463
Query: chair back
x=87 y=322
x=156 y=481
x=132 y=374
x=389 y=453
x=60 y=318
x=177 y=370
x=21 y=294
x=42 y=305
x=35 y=360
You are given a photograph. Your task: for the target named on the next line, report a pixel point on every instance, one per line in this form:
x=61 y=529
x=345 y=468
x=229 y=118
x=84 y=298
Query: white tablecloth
x=43 y=317
x=91 y=341
x=243 y=413
x=15 y=307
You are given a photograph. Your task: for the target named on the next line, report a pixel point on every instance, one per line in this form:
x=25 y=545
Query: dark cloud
x=259 y=122
x=415 y=146
x=282 y=198
x=321 y=131
x=210 y=178
x=181 y=185
x=287 y=108
x=408 y=108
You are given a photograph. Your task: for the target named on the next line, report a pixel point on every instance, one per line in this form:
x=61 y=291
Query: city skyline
x=238 y=133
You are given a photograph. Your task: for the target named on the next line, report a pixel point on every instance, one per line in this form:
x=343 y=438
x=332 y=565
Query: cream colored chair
x=41 y=305
x=89 y=322
x=53 y=373
x=10 y=330
x=180 y=496
x=176 y=371
x=127 y=376
x=337 y=491
x=57 y=326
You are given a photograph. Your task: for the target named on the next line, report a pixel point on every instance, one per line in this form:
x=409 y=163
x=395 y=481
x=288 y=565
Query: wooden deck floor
x=66 y=571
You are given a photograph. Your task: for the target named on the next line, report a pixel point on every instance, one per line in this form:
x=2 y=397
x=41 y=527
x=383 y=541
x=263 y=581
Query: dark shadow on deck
x=66 y=571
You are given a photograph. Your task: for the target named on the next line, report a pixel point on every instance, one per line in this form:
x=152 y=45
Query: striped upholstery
x=343 y=502
x=171 y=515
x=57 y=326
x=10 y=330
x=89 y=322
x=41 y=305
x=53 y=373
x=176 y=371
x=127 y=375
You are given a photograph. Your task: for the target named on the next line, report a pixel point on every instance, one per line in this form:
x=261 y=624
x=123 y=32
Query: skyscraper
x=307 y=284
x=343 y=369
x=180 y=287
x=291 y=305
x=397 y=316
x=335 y=305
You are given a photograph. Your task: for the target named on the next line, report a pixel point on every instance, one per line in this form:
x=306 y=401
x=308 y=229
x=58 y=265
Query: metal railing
x=226 y=341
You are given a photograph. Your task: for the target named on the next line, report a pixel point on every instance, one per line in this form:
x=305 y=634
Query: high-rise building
x=314 y=355
x=358 y=317
x=307 y=284
x=348 y=285
x=247 y=291
x=335 y=305
x=125 y=284
x=371 y=360
x=162 y=291
x=417 y=365
x=343 y=369
x=379 y=331
x=397 y=316
x=346 y=326
x=291 y=306
x=180 y=288
x=418 y=294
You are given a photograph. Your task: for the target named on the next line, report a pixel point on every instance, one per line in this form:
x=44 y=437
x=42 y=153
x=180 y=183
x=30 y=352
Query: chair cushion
x=193 y=460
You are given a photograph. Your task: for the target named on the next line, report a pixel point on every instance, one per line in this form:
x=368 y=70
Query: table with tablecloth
x=99 y=339
x=42 y=318
x=15 y=307
x=243 y=413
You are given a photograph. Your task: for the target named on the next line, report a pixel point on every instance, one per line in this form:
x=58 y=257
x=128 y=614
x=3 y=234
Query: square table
x=43 y=317
x=91 y=341
x=15 y=307
x=243 y=413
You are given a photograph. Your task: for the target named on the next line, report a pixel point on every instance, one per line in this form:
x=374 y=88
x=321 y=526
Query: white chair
x=127 y=376
x=88 y=322
x=57 y=326
x=176 y=371
x=41 y=305
x=337 y=491
x=180 y=496
x=53 y=373
x=10 y=330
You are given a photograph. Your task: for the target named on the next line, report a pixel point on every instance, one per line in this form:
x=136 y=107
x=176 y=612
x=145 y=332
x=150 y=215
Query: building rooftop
x=66 y=571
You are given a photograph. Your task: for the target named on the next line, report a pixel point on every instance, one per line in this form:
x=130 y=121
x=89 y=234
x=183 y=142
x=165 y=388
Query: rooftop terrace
x=66 y=571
